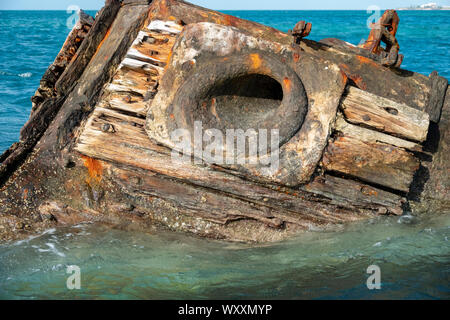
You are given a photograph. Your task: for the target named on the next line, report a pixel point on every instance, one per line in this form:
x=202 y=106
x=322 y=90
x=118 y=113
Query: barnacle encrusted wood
x=358 y=136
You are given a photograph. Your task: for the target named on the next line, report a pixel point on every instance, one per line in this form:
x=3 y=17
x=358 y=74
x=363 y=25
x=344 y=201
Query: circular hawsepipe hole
x=241 y=92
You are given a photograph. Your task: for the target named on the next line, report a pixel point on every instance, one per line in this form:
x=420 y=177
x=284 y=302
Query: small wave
x=25 y=75
x=52 y=249
x=21 y=75
x=49 y=231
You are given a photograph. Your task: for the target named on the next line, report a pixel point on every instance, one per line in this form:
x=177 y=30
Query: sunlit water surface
x=413 y=253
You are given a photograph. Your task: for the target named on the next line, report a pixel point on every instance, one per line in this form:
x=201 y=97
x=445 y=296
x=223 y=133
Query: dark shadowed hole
x=251 y=86
x=242 y=103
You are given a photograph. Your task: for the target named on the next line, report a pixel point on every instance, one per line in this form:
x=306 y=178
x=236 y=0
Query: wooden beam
x=88 y=48
x=372 y=111
x=371 y=136
x=343 y=191
x=437 y=95
x=376 y=163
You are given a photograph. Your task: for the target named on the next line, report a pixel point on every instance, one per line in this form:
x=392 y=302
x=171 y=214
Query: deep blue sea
x=413 y=253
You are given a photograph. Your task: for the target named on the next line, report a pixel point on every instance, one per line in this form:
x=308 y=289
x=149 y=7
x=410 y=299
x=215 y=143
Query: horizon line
x=402 y=9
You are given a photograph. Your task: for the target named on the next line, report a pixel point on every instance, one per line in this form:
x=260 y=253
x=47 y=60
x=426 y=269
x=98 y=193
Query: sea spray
x=21 y=75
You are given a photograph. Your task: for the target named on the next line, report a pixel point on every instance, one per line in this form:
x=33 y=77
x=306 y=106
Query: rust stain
x=255 y=61
x=169 y=57
x=163 y=8
x=231 y=20
x=344 y=77
x=287 y=84
x=101 y=43
x=94 y=167
x=368 y=191
x=296 y=57
x=356 y=78
x=366 y=61
x=25 y=194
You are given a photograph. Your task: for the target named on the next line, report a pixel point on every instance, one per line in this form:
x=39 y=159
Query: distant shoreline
x=420 y=9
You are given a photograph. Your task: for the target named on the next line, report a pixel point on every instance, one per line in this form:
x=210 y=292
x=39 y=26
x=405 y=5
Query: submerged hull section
x=358 y=137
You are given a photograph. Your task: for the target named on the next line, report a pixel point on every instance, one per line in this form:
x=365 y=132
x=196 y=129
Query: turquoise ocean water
x=412 y=252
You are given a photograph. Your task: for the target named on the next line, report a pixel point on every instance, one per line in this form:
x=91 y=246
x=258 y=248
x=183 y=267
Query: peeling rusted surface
x=385 y=31
x=300 y=31
x=356 y=78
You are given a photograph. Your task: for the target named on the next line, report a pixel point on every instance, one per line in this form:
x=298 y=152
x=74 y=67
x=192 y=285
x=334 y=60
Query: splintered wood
x=136 y=80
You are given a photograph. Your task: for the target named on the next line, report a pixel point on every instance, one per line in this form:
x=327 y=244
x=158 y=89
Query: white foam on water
x=22 y=75
x=52 y=249
x=25 y=75
x=49 y=231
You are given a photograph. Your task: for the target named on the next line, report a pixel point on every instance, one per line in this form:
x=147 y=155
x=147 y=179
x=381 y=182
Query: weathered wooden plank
x=127 y=87
x=68 y=52
x=88 y=48
x=114 y=115
x=344 y=191
x=165 y=27
x=156 y=46
x=211 y=206
x=437 y=188
x=377 y=163
x=364 y=108
x=128 y=104
x=372 y=136
x=437 y=95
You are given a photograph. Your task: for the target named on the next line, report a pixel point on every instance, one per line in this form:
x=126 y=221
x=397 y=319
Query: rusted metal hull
x=359 y=137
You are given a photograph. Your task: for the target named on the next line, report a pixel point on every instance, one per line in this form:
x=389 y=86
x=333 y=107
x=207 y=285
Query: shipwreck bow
x=358 y=136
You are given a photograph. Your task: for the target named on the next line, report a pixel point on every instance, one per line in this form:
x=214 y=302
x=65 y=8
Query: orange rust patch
x=231 y=20
x=344 y=77
x=255 y=60
x=94 y=167
x=356 y=78
x=287 y=84
x=366 y=60
x=101 y=43
x=169 y=57
x=163 y=9
x=296 y=57
x=25 y=194
x=368 y=191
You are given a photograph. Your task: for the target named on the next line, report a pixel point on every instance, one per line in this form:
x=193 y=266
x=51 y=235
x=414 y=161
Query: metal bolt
x=106 y=127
